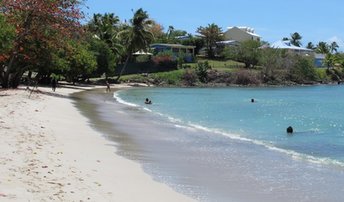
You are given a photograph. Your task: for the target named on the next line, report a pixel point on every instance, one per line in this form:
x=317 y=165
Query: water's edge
x=204 y=166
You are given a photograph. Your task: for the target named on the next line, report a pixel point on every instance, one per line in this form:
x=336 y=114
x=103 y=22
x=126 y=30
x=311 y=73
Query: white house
x=287 y=45
x=241 y=34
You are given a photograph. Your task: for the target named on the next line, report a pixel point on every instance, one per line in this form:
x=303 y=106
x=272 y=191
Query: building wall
x=239 y=35
x=189 y=57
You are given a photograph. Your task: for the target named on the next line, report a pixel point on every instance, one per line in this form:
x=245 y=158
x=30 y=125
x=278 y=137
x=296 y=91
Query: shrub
x=333 y=75
x=215 y=76
x=303 y=71
x=246 y=77
x=189 y=77
x=165 y=59
x=170 y=78
x=202 y=71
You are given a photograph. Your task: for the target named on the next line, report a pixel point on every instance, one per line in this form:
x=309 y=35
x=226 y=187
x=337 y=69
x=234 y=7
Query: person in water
x=252 y=100
x=148 y=101
x=290 y=130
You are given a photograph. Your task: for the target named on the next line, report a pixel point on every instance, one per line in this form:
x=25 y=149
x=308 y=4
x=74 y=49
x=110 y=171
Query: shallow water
x=215 y=145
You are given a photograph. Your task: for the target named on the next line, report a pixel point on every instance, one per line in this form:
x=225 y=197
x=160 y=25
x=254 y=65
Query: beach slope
x=49 y=152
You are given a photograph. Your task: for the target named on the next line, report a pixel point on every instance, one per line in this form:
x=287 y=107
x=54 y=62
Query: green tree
x=271 y=61
x=211 y=34
x=41 y=25
x=202 y=71
x=103 y=30
x=106 y=59
x=169 y=31
x=303 y=70
x=194 y=41
x=340 y=60
x=82 y=61
x=247 y=52
x=334 y=47
x=310 y=45
x=136 y=37
x=329 y=60
x=323 y=48
x=7 y=34
x=295 y=39
x=106 y=27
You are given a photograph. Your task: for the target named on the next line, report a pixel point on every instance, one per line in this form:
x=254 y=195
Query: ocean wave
x=295 y=155
x=178 y=123
x=120 y=100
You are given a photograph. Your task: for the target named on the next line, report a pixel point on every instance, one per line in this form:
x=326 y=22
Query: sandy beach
x=49 y=152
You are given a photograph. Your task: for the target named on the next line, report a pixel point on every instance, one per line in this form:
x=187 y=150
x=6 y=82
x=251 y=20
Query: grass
x=221 y=65
x=168 y=78
x=174 y=77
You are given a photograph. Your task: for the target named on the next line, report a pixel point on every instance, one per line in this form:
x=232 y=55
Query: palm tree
x=310 y=45
x=136 y=37
x=105 y=25
x=334 y=47
x=323 y=48
x=211 y=34
x=296 y=39
x=106 y=28
x=169 y=31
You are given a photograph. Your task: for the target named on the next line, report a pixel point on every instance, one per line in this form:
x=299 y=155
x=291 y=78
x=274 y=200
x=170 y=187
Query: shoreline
x=246 y=171
x=50 y=152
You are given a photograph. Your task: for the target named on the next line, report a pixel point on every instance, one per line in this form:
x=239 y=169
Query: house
x=319 y=60
x=241 y=34
x=287 y=45
x=176 y=49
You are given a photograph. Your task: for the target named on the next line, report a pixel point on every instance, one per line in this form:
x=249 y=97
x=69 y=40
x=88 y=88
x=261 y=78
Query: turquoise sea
x=315 y=113
x=213 y=144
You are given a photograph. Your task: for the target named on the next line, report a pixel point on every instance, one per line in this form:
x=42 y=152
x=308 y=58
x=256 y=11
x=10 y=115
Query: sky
x=314 y=20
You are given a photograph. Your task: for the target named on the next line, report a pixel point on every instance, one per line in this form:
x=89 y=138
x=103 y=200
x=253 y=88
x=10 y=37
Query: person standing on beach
x=108 y=87
x=53 y=84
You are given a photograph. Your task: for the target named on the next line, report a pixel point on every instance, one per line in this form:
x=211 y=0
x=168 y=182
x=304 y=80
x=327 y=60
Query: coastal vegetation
x=45 y=39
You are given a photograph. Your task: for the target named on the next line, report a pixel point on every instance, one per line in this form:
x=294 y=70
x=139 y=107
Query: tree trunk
x=7 y=73
x=5 y=83
x=15 y=79
x=124 y=67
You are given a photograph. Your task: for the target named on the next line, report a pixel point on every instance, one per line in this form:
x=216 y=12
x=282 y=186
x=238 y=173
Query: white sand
x=49 y=152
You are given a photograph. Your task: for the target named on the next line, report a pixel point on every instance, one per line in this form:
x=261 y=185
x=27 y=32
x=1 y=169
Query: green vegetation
x=136 y=37
x=210 y=34
x=220 y=65
x=49 y=41
x=247 y=52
